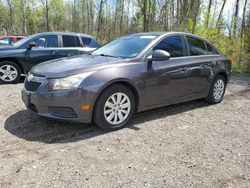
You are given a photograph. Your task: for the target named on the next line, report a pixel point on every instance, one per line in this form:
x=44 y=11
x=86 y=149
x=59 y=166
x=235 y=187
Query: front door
x=167 y=81
x=46 y=48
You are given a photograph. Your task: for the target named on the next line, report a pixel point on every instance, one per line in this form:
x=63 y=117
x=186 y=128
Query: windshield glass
x=125 y=47
x=22 y=41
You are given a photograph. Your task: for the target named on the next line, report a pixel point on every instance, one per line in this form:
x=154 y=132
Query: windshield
x=125 y=47
x=22 y=41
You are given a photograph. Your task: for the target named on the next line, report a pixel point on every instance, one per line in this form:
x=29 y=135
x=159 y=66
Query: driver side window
x=172 y=44
x=46 y=42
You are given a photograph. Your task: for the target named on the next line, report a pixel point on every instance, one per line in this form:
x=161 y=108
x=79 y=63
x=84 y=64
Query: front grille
x=31 y=86
x=62 y=112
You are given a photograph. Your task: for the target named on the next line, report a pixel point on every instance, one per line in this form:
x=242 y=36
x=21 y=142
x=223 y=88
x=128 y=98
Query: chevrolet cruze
x=128 y=75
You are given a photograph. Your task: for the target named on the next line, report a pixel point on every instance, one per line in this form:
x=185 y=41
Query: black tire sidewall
x=210 y=97
x=18 y=72
x=99 y=118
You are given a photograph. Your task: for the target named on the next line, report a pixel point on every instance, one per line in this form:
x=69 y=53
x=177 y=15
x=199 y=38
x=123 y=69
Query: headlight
x=68 y=82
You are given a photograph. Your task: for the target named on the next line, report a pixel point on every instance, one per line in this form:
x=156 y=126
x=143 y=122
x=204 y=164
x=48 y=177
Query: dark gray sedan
x=128 y=75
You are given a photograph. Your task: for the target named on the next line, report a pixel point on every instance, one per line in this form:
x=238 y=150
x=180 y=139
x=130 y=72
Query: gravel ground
x=186 y=145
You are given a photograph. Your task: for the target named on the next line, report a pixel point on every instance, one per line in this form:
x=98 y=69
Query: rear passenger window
x=196 y=46
x=211 y=50
x=78 y=44
x=86 y=41
x=68 y=41
x=172 y=45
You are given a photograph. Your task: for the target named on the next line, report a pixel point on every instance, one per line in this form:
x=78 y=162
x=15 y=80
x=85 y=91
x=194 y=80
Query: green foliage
x=231 y=46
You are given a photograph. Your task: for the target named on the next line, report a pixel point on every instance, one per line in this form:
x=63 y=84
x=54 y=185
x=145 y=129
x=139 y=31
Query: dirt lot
x=191 y=144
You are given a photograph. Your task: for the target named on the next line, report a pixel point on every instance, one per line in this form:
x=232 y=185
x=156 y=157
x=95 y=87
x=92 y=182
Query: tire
x=109 y=113
x=10 y=72
x=217 y=90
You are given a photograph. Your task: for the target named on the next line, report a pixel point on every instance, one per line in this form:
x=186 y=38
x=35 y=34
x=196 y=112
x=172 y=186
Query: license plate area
x=27 y=101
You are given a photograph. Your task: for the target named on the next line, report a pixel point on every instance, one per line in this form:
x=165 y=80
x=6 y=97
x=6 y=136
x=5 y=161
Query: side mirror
x=31 y=45
x=159 y=55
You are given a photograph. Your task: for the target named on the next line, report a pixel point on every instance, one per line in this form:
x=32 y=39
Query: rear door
x=201 y=63
x=71 y=45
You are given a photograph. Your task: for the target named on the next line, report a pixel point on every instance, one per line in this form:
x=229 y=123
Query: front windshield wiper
x=106 y=55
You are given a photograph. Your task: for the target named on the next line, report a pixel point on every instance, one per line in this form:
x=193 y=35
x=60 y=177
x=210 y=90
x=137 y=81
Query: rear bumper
x=61 y=105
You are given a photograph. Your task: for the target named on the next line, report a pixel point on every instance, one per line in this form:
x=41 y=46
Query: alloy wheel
x=219 y=87
x=8 y=73
x=117 y=108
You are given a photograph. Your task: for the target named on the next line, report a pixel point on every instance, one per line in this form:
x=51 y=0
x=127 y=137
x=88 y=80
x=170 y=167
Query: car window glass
x=86 y=41
x=173 y=45
x=125 y=47
x=46 y=42
x=196 y=46
x=68 y=41
x=211 y=50
x=78 y=44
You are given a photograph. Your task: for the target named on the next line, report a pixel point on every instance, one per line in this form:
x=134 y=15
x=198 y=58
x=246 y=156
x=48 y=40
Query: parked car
x=10 y=40
x=131 y=74
x=24 y=54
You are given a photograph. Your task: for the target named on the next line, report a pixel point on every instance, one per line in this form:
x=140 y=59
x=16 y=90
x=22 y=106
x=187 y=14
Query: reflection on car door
x=201 y=66
x=167 y=81
x=71 y=45
x=46 y=49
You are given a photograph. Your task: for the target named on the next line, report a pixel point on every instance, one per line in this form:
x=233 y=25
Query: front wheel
x=9 y=72
x=114 y=108
x=217 y=90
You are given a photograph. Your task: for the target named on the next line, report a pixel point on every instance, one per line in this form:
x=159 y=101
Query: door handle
x=210 y=64
x=184 y=69
x=54 y=51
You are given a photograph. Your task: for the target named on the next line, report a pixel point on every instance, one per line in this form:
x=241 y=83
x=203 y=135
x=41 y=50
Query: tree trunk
x=2 y=23
x=208 y=13
x=11 y=16
x=243 y=20
x=24 y=17
x=100 y=19
x=220 y=15
x=235 y=18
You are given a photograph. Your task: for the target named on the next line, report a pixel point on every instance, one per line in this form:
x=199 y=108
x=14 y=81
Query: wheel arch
x=14 y=61
x=224 y=74
x=121 y=82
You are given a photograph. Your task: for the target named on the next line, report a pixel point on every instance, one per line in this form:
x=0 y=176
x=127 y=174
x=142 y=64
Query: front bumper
x=61 y=105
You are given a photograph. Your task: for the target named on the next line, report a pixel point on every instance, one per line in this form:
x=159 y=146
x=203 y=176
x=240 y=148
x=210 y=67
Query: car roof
x=65 y=33
x=162 y=34
x=4 y=36
x=165 y=33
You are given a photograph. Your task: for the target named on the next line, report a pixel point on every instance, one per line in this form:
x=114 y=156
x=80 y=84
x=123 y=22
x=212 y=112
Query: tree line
x=109 y=19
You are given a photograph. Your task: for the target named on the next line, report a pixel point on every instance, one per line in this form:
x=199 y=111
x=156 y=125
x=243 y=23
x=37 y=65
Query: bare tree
x=11 y=16
x=100 y=19
x=24 y=16
x=208 y=13
x=2 y=23
x=46 y=9
x=235 y=18
x=243 y=20
x=220 y=15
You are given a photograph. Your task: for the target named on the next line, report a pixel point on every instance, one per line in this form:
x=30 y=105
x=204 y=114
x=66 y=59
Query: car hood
x=7 y=47
x=75 y=65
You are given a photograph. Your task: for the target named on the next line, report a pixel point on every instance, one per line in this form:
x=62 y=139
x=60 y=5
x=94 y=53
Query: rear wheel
x=9 y=72
x=114 y=108
x=217 y=90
